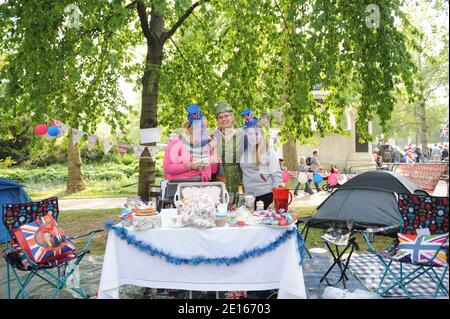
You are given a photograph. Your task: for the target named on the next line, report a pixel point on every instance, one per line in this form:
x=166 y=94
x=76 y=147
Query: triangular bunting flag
x=92 y=141
x=63 y=128
x=76 y=136
x=138 y=149
x=123 y=149
x=107 y=144
x=153 y=150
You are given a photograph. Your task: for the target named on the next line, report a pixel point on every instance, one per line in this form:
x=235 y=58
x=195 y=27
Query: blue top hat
x=194 y=113
x=249 y=120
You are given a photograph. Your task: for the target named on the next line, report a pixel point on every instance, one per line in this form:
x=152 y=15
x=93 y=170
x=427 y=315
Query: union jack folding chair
x=55 y=273
x=417 y=212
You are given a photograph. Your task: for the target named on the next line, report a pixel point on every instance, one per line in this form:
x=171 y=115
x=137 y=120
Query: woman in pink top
x=191 y=156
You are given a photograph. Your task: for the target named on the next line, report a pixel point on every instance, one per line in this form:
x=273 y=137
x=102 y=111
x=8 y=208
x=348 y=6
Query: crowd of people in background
x=436 y=153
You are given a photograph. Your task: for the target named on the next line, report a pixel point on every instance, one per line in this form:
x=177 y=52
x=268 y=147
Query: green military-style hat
x=222 y=107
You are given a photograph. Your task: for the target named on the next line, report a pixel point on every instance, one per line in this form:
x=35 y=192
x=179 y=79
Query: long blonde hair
x=261 y=147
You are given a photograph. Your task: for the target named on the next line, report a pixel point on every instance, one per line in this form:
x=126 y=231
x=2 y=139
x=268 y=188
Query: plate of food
x=278 y=220
x=277 y=225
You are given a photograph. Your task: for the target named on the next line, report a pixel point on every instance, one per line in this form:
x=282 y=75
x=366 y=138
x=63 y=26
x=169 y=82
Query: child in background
x=302 y=168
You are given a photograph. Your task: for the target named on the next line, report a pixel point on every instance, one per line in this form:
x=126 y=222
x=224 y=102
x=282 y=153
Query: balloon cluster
x=51 y=131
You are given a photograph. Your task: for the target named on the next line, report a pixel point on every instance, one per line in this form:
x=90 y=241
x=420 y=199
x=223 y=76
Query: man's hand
x=221 y=179
x=194 y=166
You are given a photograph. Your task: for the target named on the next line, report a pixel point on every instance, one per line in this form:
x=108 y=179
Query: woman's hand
x=194 y=166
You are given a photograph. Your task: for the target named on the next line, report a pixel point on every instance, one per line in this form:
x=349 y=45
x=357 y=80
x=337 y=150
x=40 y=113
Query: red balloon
x=332 y=179
x=41 y=129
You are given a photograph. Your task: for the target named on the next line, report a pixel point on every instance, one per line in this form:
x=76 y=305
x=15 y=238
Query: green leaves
x=257 y=54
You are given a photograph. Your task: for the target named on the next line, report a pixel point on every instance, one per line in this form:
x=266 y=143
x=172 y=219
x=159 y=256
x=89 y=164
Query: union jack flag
x=444 y=133
x=410 y=154
x=43 y=241
x=421 y=249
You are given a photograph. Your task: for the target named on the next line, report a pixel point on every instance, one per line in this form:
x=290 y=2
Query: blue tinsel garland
x=122 y=233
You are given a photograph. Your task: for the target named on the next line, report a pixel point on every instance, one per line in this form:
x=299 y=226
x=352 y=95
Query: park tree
x=268 y=55
x=262 y=54
x=421 y=114
x=58 y=69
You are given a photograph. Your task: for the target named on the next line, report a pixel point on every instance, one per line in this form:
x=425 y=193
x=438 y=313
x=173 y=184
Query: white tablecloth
x=278 y=269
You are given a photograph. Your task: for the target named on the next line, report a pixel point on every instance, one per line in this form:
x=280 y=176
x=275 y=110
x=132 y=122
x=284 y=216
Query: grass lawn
x=77 y=222
x=314 y=234
x=82 y=221
x=93 y=190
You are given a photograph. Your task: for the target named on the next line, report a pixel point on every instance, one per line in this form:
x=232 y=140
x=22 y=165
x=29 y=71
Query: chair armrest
x=90 y=235
x=383 y=229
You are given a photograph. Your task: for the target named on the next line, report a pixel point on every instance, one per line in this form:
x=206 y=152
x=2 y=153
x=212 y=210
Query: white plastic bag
x=74 y=279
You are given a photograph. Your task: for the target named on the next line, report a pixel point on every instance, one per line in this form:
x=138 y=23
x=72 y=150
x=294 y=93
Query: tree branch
x=282 y=15
x=438 y=84
x=167 y=35
x=143 y=17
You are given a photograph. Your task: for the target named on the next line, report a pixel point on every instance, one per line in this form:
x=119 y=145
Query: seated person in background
x=334 y=170
x=192 y=156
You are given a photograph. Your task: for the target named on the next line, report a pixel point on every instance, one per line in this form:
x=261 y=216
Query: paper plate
x=318 y=250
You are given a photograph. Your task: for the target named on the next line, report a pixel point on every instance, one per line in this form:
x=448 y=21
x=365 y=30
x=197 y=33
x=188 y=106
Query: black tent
x=367 y=199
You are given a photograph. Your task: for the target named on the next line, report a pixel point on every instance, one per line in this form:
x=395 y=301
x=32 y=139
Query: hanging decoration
x=149 y=249
x=76 y=136
x=153 y=151
x=138 y=149
x=92 y=141
x=107 y=145
x=41 y=129
x=63 y=128
x=123 y=148
x=57 y=128
x=53 y=131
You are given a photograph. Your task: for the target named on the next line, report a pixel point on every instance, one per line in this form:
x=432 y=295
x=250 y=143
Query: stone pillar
x=358 y=160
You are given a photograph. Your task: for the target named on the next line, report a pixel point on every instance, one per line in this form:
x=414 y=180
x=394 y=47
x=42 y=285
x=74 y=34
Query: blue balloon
x=53 y=131
x=317 y=178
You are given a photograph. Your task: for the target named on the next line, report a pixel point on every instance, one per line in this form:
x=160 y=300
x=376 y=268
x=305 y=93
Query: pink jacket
x=176 y=160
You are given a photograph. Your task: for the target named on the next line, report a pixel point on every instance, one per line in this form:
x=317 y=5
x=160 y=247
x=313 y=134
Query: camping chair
x=417 y=212
x=16 y=215
x=216 y=190
x=168 y=190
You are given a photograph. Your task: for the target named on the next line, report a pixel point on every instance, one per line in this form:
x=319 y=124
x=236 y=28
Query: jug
x=282 y=197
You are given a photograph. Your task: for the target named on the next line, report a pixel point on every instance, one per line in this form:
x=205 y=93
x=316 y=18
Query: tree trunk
x=290 y=154
x=423 y=126
x=150 y=87
x=289 y=148
x=75 y=179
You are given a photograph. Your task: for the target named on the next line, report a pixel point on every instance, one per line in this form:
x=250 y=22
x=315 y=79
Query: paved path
x=299 y=201
x=91 y=203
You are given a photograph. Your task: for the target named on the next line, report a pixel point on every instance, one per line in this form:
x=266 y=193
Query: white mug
x=222 y=208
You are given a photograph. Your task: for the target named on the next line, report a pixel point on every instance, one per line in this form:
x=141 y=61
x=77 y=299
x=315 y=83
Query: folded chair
x=425 y=253
x=55 y=273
